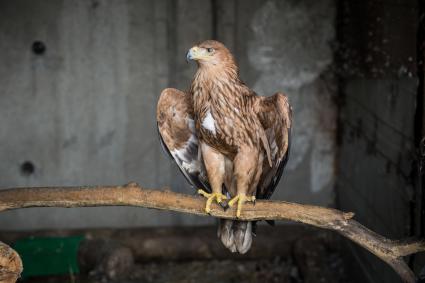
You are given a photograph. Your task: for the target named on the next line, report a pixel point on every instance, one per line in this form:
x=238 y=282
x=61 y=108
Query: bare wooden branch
x=390 y=251
x=10 y=264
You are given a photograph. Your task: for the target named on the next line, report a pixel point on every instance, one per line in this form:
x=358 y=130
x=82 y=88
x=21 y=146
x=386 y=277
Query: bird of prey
x=230 y=143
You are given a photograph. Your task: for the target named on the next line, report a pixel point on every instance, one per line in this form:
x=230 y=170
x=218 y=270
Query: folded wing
x=275 y=115
x=178 y=137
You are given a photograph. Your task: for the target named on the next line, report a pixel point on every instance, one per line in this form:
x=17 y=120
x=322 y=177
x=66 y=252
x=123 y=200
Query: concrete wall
x=378 y=104
x=83 y=112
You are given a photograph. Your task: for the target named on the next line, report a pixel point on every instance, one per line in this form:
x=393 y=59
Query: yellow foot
x=210 y=197
x=241 y=199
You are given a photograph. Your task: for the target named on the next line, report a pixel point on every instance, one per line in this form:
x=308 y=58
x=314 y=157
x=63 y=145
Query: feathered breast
x=224 y=113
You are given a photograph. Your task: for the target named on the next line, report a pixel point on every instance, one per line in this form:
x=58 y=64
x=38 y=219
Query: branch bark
x=390 y=251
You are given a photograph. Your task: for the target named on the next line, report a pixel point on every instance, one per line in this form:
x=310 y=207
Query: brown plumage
x=226 y=140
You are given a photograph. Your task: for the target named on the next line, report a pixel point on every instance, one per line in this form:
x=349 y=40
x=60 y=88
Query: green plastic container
x=43 y=256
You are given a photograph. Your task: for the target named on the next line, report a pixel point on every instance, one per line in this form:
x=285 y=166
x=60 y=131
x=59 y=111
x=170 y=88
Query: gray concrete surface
x=83 y=113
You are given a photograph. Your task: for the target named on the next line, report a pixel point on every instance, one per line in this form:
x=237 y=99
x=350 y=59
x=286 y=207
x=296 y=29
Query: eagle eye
x=209 y=49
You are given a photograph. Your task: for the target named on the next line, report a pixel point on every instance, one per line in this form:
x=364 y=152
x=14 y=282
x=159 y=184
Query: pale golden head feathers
x=212 y=54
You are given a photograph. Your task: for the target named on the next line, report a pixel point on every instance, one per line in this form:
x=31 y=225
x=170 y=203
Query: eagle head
x=211 y=53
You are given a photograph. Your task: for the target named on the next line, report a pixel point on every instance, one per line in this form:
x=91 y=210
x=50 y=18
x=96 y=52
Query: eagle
x=230 y=144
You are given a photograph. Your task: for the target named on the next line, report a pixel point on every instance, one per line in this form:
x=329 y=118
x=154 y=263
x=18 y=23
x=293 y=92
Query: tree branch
x=390 y=251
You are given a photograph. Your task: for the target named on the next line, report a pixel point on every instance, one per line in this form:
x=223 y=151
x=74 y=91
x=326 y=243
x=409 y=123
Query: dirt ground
x=286 y=254
x=283 y=270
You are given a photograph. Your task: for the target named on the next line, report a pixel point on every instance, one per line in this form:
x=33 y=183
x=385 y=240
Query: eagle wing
x=178 y=138
x=275 y=115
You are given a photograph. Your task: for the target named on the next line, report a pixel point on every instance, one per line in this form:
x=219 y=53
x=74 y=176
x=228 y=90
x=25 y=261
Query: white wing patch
x=184 y=155
x=209 y=122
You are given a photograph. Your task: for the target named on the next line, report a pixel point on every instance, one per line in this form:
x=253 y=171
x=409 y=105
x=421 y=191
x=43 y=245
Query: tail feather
x=235 y=235
x=225 y=233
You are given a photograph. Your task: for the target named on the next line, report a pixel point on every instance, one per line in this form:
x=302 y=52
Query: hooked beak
x=189 y=56
x=192 y=54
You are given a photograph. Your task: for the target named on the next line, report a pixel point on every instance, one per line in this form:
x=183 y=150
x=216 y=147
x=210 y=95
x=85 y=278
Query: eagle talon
x=240 y=199
x=210 y=197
